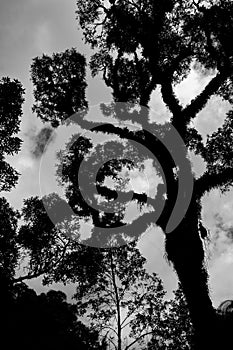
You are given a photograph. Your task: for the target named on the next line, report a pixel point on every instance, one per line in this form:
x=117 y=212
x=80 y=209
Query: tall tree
x=142 y=45
x=163 y=39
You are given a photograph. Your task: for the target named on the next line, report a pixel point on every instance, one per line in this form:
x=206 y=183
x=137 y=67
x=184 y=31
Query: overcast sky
x=29 y=28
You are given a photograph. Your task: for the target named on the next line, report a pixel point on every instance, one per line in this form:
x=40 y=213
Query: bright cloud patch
x=24 y=163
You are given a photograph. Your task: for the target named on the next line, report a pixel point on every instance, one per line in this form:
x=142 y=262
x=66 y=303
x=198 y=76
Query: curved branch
x=109 y=339
x=135 y=341
x=109 y=327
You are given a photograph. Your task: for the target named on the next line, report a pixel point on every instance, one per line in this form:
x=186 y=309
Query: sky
x=29 y=28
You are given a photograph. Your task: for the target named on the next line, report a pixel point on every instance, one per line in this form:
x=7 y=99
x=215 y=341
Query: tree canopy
x=139 y=46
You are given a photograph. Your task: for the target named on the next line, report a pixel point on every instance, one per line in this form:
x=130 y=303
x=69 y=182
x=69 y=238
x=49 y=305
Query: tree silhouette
x=60 y=84
x=47 y=321
x=125 y=302
x=11 y=101
x=164 y=39
x=9 y=256
x=82 y=150
x=141 y=45
x=50 y=249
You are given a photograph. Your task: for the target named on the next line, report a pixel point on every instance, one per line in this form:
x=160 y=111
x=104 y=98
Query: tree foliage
x=11 y=101
x=177 y=330
x=51 y=249
x=125 y=302
x=47 y=321
x=141 y=45
x=60 y=85
x=168 y=38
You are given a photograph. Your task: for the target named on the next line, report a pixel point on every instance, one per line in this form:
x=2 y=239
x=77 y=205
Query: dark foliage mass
x=46 y=321
x=11 y=100
x=59 y=85
x=159 y=42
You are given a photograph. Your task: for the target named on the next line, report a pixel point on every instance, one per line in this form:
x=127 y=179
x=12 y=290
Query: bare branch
x=135 y=341
x=109 y=339
x=108 y=327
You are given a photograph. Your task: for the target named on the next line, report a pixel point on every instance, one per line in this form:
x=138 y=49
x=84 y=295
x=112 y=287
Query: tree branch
x=132 y=311
x=135 y=341
x=28 y=277
x=117 y=304
x=108 y=327
x=201 y=100
x=209 y=181
x=42 y=271
x=170 y=99
x=109 y=339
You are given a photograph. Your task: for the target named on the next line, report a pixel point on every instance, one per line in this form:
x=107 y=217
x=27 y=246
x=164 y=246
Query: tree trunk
x=185 y=250
x=119 y=342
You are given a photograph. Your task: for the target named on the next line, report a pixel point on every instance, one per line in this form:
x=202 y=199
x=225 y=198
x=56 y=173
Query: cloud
x=39 y=141
x=221 y=262
x=25 y=163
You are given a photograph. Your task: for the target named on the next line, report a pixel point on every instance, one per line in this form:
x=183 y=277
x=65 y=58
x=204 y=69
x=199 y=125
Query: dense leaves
x=46 y=321
x=177 y=332
x=60 y=85
x=52 y=249
x=140 y=45
x=9 y=253
x=11 y=101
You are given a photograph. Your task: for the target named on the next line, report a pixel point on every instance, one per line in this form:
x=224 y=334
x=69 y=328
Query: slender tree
x=125 y=302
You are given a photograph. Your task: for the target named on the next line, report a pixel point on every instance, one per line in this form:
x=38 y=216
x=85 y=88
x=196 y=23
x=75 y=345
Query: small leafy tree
x=126 y=302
